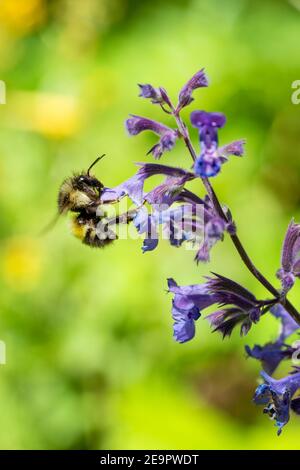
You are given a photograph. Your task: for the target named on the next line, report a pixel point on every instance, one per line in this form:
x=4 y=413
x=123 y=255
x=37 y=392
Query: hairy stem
x=235 y=239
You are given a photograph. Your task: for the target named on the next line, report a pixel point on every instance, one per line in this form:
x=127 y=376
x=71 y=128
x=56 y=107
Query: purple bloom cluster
x=184 y=217
x=235 y=306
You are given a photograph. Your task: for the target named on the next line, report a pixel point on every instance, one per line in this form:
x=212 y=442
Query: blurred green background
x=91 y=363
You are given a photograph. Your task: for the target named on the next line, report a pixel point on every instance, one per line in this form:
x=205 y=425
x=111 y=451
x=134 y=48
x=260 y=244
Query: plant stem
x=235 y=239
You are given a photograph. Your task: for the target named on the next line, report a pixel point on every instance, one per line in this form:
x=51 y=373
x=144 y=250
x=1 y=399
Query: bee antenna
x=94 y=163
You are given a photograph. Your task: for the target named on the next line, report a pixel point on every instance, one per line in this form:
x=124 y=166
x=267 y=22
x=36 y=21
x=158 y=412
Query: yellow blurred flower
x=22 y=262
x=51 y=114
x=22 y=16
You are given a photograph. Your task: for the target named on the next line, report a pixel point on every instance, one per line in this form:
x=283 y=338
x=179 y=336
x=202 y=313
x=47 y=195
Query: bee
x=80 y=192
x=81 y=195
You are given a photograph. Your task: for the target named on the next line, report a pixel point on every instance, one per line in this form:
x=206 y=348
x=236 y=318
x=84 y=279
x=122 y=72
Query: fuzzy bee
x=81 y=194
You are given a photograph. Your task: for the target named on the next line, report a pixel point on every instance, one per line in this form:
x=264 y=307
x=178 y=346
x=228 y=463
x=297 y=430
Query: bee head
x=86 y=181
x=80 y=191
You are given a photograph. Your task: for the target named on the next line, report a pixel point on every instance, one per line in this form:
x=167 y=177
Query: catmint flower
x=146 y=223
x=132 y=187
x=213 y=232
x=136 y=124
x=156 y=95
x=168 y=136
x=166 y=193
x=288 y=324
x=290 y=258
x=208 y=123
x=178 y=225
x=165 y=97
x=192 y=221
x=215 y=227
x=277 y=396
x=209 y=163
x=149 y=92
x=174 y=229
x=211 y=157
x=182 y=224
x=243 y=307
x=235 y=148
x=199 y=224
x=271 y=354
x=151 y=169
x=198 y=80
x=187 y=304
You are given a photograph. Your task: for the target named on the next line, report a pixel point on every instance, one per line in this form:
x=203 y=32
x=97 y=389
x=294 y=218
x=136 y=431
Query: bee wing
x=50 y=225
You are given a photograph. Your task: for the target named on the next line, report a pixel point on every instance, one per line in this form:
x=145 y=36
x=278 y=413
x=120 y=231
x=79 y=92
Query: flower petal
x=288 y=324
x=200 y=119
x=234 y=148
x=185 y=96
x=136 y=124
x=149 y=92
x=184 y=331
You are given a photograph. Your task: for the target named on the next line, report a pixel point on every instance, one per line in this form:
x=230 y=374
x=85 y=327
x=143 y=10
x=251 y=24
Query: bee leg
x=122 y=218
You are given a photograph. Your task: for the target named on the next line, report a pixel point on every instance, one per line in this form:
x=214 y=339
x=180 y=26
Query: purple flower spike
x=277 y=395
x=198 y=80
x=290 y=258
x=168 y=136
